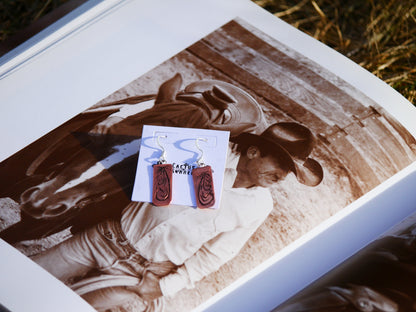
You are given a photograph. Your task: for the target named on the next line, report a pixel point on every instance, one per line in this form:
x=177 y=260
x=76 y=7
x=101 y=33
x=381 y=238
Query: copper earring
x=162 y=179
x=203 y=182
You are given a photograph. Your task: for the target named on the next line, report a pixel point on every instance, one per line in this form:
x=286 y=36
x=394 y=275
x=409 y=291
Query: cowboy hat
x=296 y=142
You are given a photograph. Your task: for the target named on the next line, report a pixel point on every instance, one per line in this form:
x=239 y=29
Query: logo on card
x=183 y=168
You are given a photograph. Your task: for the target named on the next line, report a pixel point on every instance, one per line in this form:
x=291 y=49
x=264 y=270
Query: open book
x=74 y=100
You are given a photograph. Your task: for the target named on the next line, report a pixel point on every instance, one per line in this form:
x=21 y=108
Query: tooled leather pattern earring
x=162 y=179
x=203 y=182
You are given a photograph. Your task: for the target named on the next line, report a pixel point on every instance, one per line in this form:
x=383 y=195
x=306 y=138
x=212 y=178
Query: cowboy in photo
x=85 y=174
x=153 y=252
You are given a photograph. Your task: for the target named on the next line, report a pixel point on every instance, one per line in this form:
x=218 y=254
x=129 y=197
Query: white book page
x=75 y=67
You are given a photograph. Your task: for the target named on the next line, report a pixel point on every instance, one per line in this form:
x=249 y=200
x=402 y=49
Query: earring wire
x=200 y=160
x=162 y=158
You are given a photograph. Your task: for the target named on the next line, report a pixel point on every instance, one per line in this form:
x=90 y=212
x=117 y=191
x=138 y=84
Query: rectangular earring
x=203 y=182
x=162 y=180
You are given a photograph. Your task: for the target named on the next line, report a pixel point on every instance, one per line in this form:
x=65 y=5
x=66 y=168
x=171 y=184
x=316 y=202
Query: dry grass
x=15 y=15
x=379 y=35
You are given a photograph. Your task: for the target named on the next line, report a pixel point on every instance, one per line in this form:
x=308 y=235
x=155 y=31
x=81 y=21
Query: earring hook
x=200 y=160
x=162 y=158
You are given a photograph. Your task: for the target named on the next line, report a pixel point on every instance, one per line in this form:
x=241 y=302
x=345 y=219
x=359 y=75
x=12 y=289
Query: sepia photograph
x=304 y=144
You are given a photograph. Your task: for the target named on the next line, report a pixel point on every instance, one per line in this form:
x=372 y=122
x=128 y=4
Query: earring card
x=182 y=152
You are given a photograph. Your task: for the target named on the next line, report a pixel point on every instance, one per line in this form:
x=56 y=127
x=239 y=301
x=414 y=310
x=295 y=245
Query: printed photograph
x=304 y=144
x=378 y=278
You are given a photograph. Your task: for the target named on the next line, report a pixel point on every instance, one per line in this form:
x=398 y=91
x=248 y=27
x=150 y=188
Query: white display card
x=182 y=152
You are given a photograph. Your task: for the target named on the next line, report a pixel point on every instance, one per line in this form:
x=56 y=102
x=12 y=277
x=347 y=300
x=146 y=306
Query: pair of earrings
x=201 y=176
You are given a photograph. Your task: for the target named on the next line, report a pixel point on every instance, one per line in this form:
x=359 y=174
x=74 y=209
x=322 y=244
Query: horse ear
x=169 y=89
